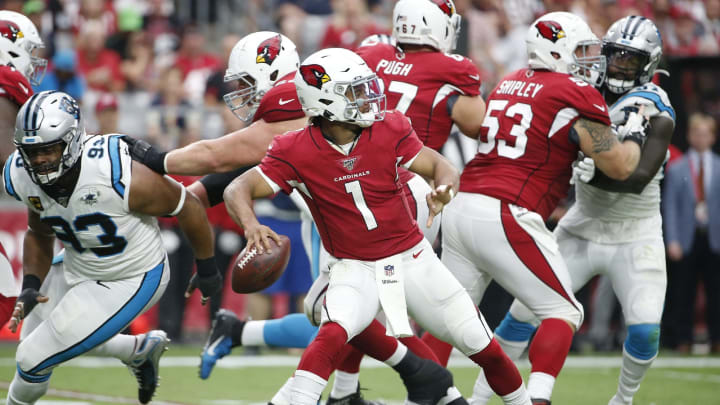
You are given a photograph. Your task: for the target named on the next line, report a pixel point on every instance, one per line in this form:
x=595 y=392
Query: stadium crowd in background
x=154 y=68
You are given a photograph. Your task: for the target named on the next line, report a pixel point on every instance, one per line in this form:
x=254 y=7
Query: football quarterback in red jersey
x=18 y=65
x=536 y=122
x=383 y=260
x=263 y=64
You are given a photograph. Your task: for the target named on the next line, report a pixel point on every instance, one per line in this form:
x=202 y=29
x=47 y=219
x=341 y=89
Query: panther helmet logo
x=268 y=50
x=314 y=75
x=550 y=30
x=10 y=30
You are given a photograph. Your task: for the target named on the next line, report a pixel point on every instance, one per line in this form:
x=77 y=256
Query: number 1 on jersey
x=353 y=188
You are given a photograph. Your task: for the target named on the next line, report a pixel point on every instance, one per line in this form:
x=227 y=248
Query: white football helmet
x=427 y=22
x=27 y=41
x=47 y=119
x=256 y=62
x=633 y=47
x=338 y=85
x=553 y=42
x=378 y=39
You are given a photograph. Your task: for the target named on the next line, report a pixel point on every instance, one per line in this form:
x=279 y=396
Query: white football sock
x=397 y=356
x=22 y=392
x=282 y=397
x=481 y=391
x=631 y=374
x=345 y=384
x=306 y=388
x=517 y=397
x=122 y=347
x=252 y=334
x=540 y=385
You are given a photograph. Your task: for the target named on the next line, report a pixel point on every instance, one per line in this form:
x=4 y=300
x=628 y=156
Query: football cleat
x=429 y=384
x=145 y=363
x=353 y=399
x=220 y=341
x=538 y=401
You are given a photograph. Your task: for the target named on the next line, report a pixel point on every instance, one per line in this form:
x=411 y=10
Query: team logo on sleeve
x=10 y=30
x=314 y=75
x=268 y=50
x=550 y=30
x=35 y=201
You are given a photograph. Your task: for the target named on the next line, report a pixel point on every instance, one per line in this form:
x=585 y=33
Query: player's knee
x=313 y=309
x=511 y=329
x=642 y=340
x=572 y=314
x=471 y=336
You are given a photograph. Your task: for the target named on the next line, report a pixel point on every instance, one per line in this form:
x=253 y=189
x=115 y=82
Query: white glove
x=584 y=170
x=634 y=126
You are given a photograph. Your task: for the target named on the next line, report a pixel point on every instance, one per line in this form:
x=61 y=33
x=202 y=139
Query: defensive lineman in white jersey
x=87 y=192
x=615 y=228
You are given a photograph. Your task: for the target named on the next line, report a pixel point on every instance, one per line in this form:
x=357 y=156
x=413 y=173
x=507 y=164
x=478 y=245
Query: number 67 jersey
x=103 y=240
x=524 y=149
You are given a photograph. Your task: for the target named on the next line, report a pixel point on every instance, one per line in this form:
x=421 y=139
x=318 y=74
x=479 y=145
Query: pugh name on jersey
x=392 y=67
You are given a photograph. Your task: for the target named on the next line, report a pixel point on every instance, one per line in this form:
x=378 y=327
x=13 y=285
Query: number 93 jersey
x=103 y=240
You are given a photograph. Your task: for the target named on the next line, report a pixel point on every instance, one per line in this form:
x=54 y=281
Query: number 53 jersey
x=103 y=240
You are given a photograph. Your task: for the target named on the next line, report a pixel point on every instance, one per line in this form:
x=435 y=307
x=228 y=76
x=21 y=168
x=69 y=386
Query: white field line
x=688 y=376
x=84 y=396
x=235 y=362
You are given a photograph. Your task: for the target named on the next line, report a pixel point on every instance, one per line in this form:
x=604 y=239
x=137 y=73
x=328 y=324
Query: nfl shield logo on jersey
x=349 y=164
x=389 y=270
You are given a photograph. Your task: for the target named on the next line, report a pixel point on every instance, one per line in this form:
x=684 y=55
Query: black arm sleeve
x=215 y=184
x=653 y=155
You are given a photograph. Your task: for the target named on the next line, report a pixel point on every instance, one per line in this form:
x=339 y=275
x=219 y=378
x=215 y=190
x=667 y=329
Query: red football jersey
x=356 y=200
x=281 y=102
x=524 y=150
x=419 y=83
x=14 y=86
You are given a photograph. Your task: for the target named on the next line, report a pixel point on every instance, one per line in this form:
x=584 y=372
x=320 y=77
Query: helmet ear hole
x=274 y=75
x=555 y=55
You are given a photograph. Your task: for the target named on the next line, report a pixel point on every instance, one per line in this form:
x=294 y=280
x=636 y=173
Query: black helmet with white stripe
x=633 y=47
x=49 y=135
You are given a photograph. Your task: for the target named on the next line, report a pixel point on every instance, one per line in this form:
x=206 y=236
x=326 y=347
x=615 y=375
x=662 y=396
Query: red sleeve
x=408 y=144
x=463 y=74
x=280 y=103
x=587 y=100
x=14 y=86
x=277 y=166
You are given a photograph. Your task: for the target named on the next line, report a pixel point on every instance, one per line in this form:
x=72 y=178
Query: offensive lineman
x=614 y=227
x=87 y=192
x=536 y=122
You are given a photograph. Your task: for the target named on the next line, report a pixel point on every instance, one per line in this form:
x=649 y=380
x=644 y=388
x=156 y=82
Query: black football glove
x=28 y=298
x=146 y=154
x=207 y=279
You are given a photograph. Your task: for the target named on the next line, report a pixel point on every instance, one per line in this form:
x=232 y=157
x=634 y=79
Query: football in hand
x=253 y=272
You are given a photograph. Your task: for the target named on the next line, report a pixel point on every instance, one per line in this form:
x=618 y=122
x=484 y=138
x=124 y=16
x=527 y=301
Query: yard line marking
x=235 y=362
x=89 y=397
x=687 y=376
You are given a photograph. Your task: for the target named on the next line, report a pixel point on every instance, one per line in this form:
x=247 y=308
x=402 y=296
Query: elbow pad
x=215 y=184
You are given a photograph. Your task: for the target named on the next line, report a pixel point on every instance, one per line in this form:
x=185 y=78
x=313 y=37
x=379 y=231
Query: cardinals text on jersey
x=356 y=200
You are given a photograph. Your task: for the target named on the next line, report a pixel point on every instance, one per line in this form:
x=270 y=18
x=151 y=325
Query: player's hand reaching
x=583 y=170
x=141 y=151
x=207 y=279
x=437 y=199
x=259 y=236
x=634 y=127
x=29 y=297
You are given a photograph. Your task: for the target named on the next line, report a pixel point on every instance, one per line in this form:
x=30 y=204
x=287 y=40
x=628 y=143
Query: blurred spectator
x=100 y=66
x=92 y=11
x=351 y=22
x=63 y=76
x=712 y=12
x=171 y=121
x=303 y=21
x=195 y=62
x=131 y=43
x=216 y=88
x=106 y=113
x=691 y=214
x=686 y=36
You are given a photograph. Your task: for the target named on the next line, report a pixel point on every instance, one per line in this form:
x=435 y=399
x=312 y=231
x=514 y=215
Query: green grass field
x=585 y=380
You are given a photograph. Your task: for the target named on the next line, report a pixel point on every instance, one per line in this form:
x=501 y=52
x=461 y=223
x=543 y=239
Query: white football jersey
x=103 y=240
x=595 y=211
